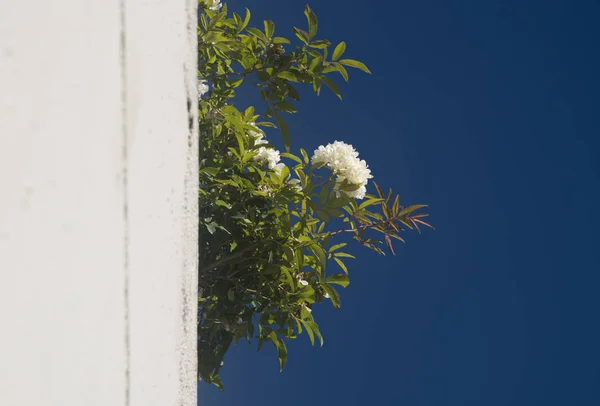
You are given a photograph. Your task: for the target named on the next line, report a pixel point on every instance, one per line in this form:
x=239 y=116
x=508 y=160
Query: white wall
x=98 y=202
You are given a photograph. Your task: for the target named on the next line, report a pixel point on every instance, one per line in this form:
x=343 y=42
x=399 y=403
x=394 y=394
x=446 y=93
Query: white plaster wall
x=98 y=208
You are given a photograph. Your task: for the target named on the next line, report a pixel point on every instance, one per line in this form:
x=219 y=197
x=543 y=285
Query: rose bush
x=274 y=225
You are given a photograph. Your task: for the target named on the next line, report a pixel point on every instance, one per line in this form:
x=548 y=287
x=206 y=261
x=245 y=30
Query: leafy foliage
x=272 y=239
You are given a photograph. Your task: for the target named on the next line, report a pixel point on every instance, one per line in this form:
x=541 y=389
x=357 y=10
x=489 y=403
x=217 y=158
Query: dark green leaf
x=323 y=216
x=210 y=171
x=333 y=295
x=318 y=251
x=314 y=327
x=285 y=106
x=369 y=202
x=309 y=331
x=269 y=28
x=302 y=35
x=320 y=44
x=312 y=22
x=410 y=209
x=285 y=131
x=331 y=85
x=288 y=76
x=338 y=279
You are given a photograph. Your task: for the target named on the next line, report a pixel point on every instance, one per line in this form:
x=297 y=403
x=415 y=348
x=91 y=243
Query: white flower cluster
x=343 y=160
x=202 y=88
x=270 y=157
x=216 y=5
x=267 y=156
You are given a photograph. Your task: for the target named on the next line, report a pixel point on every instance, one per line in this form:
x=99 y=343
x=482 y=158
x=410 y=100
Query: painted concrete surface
x=98 y=208
x=162 y=197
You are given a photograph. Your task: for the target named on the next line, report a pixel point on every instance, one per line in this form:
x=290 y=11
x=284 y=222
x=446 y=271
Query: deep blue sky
x=487 y=111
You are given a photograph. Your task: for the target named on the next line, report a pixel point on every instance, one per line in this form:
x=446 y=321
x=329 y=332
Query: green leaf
x=410 y=209
x=231 y=295
x=323 y=216
x=317 y=82
x=235 y=82
x=334 y=212
x=249 y=113
x=210 y=171
x=309 y=331
x=266 y=124
x=337 y=246
x=314 y=327
x=246 y=21
x=331 y=85
x=211 y=227
x=215 y=380
x=288 y=76
x=281 y=40
x=305 y=156
x=320 y=44
x=355 y=64
x=299 y=259
x=302 y=35
x=333 y=295
x=323 y=194
x=223 y=204
x=341 y=264
x=306 y=293
x=338 y=51
x=312 y=22
x=338 y=279
x=285 y=131
x=258 y=33
x=240 y=141
x=369 y=202
x=291 y=156
x=340 y=68
x=315 y=64
x=269 y=28
x=343 y=255
x=285 y=106
x=238 y=19
x=263 y=76
x=281 y=349
x=318 y=251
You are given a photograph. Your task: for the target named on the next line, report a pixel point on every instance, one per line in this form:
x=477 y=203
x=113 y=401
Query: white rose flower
x=267 y=156
x=216 y=5
x=202 y=88
x=343 y=160
x=279 y=167
x=295 y=184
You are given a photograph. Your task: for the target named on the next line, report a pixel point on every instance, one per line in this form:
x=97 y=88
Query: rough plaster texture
x=98 y=204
